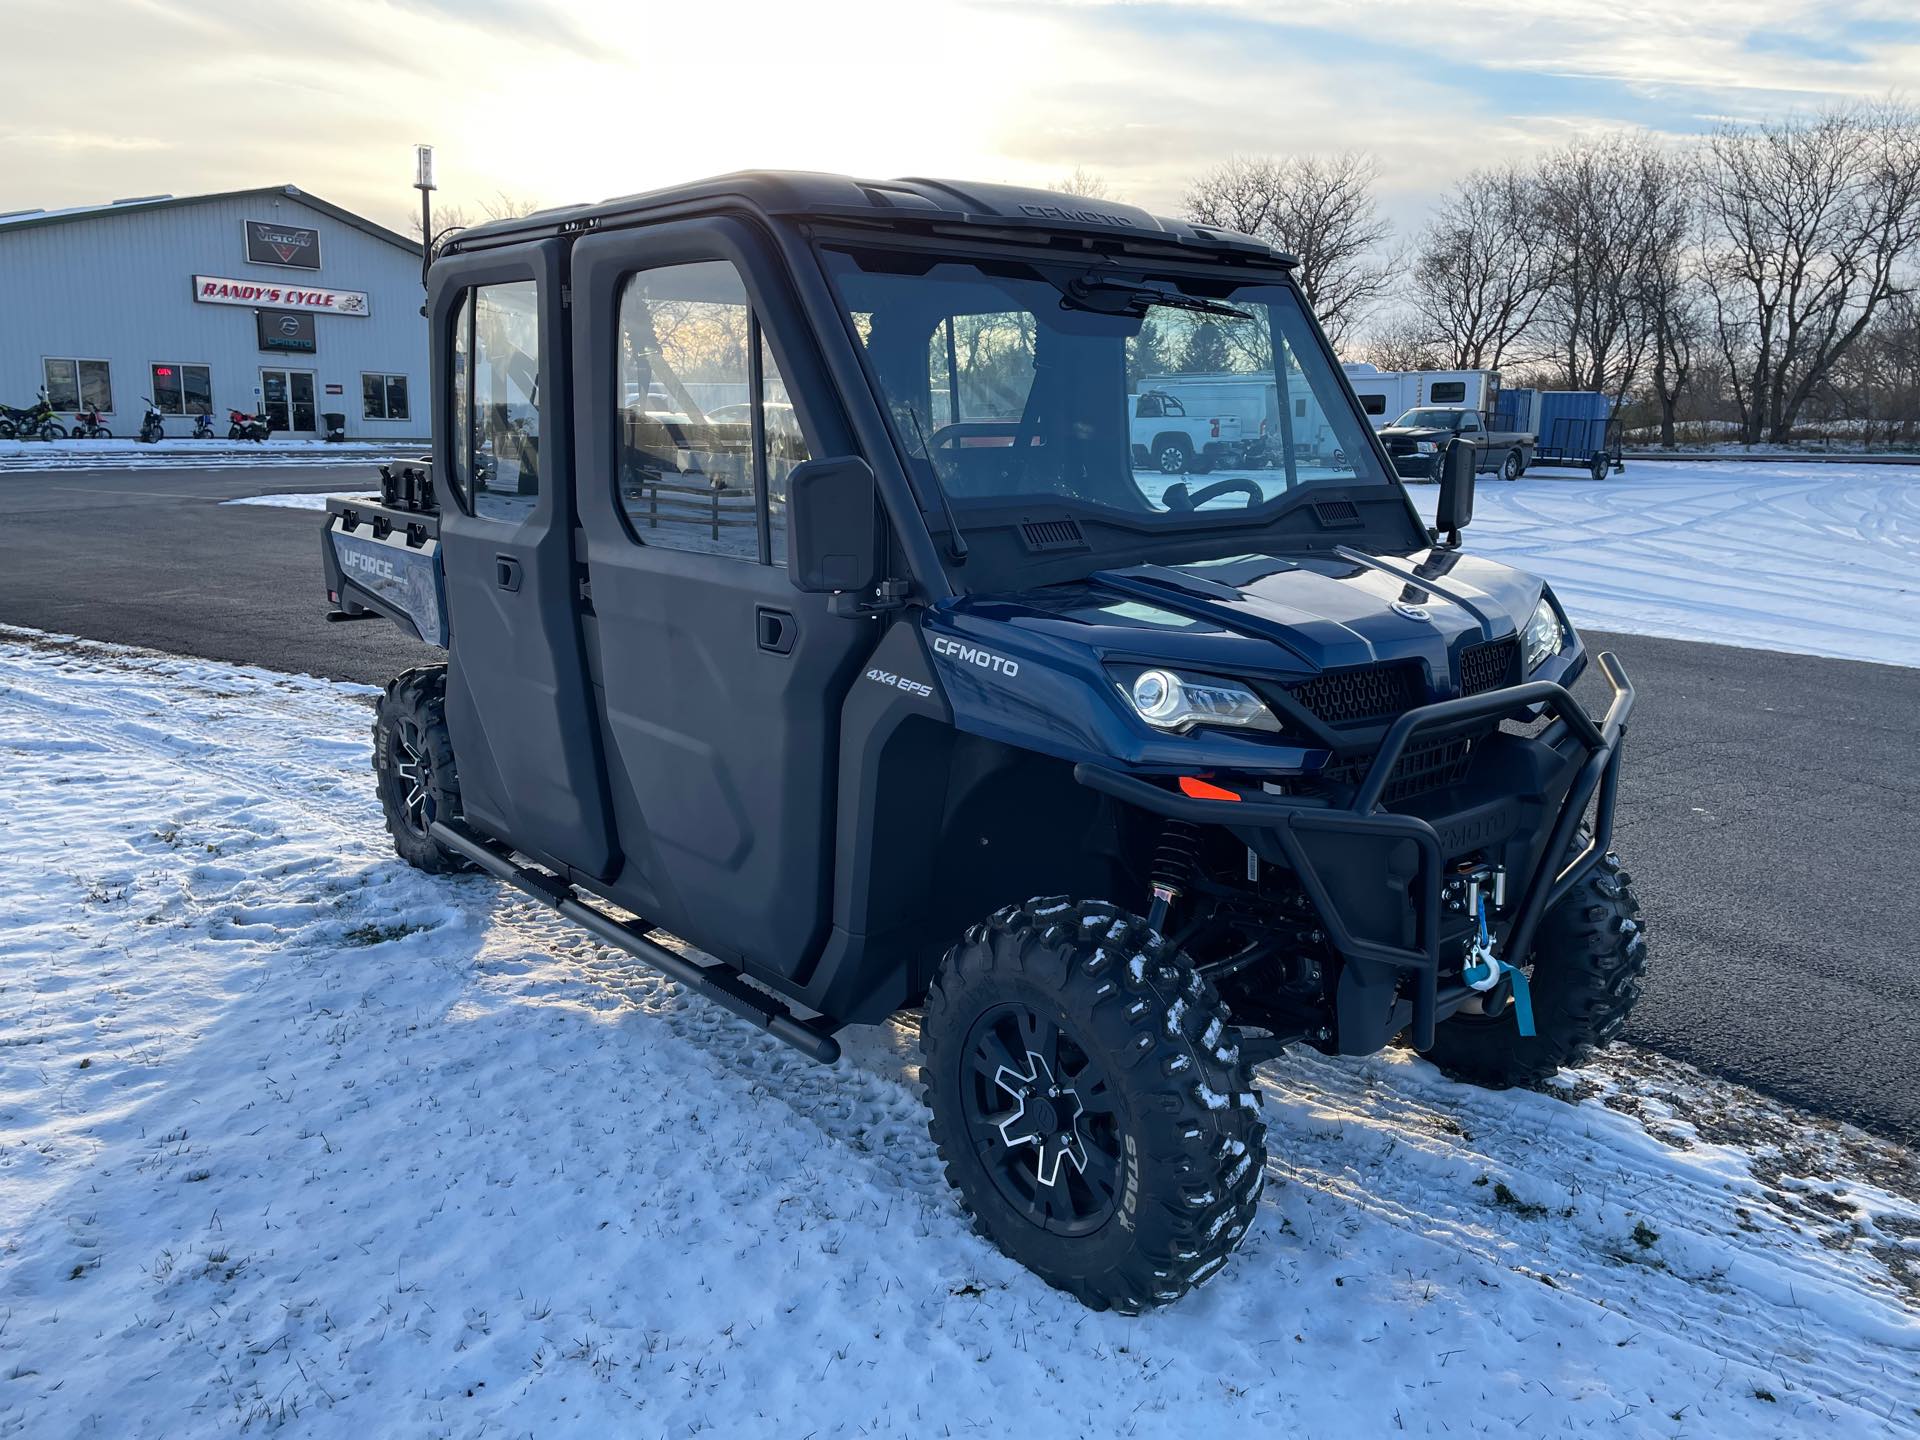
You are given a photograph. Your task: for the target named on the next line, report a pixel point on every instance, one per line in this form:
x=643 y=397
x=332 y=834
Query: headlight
x=1168 y=700
x=1544 y=635
x=1425 y=447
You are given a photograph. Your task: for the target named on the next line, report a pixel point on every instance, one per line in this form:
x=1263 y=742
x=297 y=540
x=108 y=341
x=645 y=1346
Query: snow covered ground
x=291 y=1134
x=174 y=453
x=1816 y=559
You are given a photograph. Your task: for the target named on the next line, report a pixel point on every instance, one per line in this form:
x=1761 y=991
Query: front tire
x=1173 y=455
x=1589 y=961
x=413 y=767
x=1089 y=1102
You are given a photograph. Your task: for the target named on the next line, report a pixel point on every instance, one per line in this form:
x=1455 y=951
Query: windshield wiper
x=1127 y=295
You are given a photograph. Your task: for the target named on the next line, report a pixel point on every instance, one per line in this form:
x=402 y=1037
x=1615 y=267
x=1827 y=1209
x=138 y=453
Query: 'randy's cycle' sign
x=217 y=290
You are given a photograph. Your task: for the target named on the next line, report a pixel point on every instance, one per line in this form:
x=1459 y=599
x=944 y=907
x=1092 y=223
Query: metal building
x=265 y=301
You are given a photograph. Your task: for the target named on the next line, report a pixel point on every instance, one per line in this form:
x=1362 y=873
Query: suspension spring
x=1174 y=862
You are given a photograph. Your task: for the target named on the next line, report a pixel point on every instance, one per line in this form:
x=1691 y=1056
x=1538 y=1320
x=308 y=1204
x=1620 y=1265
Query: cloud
x=561 y=102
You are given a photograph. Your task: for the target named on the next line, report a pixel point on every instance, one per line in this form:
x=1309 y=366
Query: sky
x=557 y=101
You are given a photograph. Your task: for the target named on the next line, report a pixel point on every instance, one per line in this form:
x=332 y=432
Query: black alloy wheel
x=1041 y=1116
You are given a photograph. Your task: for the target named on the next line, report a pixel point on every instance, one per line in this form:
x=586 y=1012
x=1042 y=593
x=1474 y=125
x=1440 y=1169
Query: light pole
x=423 y=182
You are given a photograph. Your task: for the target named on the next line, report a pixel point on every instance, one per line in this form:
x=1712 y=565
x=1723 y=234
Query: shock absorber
x=1174 y=862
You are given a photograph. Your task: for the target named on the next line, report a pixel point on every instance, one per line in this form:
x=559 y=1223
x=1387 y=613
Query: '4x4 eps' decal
x=900 y=682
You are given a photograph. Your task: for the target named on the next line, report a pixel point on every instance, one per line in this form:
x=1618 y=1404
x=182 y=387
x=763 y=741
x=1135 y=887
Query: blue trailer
x=1575 y=428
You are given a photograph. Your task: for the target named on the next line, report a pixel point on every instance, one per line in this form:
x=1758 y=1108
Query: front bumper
x=1419 y=467
x=1389 y=933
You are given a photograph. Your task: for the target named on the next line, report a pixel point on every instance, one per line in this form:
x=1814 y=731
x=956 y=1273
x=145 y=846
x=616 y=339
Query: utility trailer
x=1576 y=429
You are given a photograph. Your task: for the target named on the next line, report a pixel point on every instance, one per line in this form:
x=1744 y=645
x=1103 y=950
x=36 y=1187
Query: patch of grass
x=1644 y=1235
x=362 y=935
x=1766 y=1395
x=1507 y=1200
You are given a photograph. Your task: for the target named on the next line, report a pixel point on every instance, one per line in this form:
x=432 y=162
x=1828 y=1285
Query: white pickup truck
x=1165 y=437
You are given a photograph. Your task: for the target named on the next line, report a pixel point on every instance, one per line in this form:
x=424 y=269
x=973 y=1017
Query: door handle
x=506 y=572
x=777 y=629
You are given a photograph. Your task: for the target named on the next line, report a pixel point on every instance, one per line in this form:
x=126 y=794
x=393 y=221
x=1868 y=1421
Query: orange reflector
x=1201 y=790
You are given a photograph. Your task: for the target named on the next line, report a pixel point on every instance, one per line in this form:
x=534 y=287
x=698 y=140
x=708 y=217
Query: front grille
x=1488 y=667
x=1423 y=766
x=1350 y=696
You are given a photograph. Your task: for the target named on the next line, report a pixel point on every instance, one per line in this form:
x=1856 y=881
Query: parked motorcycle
x=37 y=423
x=87 y=426
x=203 y=425
x=152 y=426
x=242 y=426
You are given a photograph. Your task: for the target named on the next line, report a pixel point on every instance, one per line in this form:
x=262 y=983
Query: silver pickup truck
x=1418 y=442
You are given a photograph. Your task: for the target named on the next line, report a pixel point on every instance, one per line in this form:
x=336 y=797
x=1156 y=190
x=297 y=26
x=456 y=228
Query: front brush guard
x=1289 y=822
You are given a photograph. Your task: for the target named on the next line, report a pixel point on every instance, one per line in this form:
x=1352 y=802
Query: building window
x=182 y=389
x=78 y=385
x=1449 y=392
x=384 y=397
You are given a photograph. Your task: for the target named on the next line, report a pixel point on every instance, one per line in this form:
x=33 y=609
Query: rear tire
x=1079 y=1024
x=413 y=767
x=1513 y=467
x=1589 y=960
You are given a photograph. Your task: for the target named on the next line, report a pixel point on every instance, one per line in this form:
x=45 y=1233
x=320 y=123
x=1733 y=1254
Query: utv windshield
x=1144 y=398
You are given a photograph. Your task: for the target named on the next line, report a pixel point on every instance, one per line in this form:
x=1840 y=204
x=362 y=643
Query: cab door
x=519 y=708
x=719 y=685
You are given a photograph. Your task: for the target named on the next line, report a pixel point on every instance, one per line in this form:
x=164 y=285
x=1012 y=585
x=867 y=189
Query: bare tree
x=1481 y=269
x=1405 y=341
x=1596 y=200
x=1672 y=309
x=1810 y=225
x=1086 y=184
x=451 y=218
x=1320 y=209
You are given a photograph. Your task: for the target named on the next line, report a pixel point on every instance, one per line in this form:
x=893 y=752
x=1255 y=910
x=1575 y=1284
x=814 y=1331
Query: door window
x=708 y=434
x=495 y=424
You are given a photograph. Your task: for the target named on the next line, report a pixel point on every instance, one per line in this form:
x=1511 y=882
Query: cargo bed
x=382 y=556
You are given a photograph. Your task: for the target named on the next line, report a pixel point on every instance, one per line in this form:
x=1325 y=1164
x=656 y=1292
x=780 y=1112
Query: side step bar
x=715 y=982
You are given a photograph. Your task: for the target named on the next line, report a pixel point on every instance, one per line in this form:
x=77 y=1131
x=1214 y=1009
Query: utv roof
x=917 y=203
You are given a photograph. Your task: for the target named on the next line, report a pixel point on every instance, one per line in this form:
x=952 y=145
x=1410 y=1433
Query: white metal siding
x=118 y=287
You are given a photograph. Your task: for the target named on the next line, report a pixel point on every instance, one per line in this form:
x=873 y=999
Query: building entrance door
x=288 y=400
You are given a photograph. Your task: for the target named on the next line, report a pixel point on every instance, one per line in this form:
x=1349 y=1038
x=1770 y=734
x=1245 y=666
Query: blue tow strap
x=1485 y=973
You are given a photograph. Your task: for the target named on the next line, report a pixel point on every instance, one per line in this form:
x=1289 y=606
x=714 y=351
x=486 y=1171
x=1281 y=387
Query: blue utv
x=805 y=599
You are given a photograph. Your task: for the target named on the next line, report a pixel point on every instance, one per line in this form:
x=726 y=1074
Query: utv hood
x=1285 y=615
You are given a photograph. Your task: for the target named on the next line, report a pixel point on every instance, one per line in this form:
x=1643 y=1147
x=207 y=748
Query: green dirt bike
x=36 y=423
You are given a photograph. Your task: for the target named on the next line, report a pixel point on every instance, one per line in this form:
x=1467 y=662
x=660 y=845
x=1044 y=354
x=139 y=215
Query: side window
x=1470 y=425
x=1149 y=407
x=495 y=420
x=1449 y=392
x=698 y=388
x=1373 y=404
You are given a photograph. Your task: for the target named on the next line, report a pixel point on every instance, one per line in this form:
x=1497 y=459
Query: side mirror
x=833 y=526
x=1455 y=510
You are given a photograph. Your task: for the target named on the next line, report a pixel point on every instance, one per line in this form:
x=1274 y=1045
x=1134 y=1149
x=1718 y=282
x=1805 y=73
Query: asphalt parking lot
x=1768 y=809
